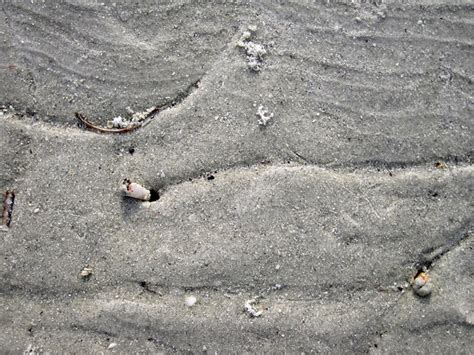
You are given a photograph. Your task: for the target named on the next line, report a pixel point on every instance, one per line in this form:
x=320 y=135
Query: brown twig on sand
x=93 y=127
x=8 y=201
x=142 y=121
x=130 y=128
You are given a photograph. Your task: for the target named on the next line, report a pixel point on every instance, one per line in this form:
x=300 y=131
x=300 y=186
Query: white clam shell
x=190 y=301
x=134 y=190
x=422 y=285
x=424 y=290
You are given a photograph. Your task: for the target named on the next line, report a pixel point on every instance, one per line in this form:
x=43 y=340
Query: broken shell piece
x=243 y=39
x=250 y=307
x=86 y=272
x=255 y=50
x=252 y=28
x=134 y=190
x=190 y=301
x=87 y=123
x=254 y=64
x=424 y=291
x=264 y=116
x=32 y=350
x=420 y=280
x=245 y=36
x=141 y=116
x=422 y=284
x=118 y=122
x=255 y=53
x=240 y=44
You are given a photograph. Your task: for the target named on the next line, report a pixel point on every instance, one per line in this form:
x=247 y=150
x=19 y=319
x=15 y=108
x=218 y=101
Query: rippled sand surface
x=361 y=177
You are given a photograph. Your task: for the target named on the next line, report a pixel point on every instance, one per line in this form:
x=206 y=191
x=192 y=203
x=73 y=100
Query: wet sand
x=362 y=177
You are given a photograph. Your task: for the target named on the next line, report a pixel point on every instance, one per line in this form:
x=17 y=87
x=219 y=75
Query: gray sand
x=325 y=212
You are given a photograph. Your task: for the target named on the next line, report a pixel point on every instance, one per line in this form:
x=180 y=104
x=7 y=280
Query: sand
x=361 y=176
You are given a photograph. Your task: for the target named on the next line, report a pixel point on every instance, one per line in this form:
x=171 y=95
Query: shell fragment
x=250 y=308
x=136 y=191
x=422 y=284
x=86 y=273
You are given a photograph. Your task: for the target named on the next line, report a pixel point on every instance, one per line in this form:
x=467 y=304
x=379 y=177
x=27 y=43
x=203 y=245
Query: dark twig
x=134 y=125
x=8 y=201
x=85 y=121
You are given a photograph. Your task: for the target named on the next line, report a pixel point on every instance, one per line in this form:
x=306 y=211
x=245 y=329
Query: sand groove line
x=428 y=257
x=461 y=161
x=341 y=169
x=465 y=235
x=286 y=293
x=359 y=35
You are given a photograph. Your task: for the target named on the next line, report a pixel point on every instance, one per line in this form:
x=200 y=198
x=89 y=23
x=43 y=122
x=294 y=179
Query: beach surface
x=310 y=157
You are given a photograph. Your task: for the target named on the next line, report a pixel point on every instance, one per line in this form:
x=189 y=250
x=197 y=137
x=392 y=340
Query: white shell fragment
x=86 y=272
x=245 y=37
x=118 y=122
x=111 y=346
x=255 y=52
x=252 y=28
x=140 y=116
x=250 y=308
x=134 y=190
x=190 y=301
x=422 y=284
x=137 y=118
x=264 y=115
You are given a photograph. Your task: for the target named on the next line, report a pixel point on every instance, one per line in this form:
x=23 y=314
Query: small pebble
x=424 y=291
x=422 y=284
x=86 y=273
x=190 y=301
x=111 y=346
x=252 y=28
x=36 y=210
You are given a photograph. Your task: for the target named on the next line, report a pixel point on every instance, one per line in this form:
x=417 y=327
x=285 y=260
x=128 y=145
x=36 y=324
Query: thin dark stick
x=85 y=121
x=8 y=201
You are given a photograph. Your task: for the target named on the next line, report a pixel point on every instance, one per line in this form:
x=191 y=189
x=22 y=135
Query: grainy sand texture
x=311 y=158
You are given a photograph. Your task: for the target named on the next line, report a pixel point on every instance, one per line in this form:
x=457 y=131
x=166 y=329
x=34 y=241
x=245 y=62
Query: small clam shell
x=422 y=284
x=86 y=273
x=190 y=301
x=134 y=190
x=424 y=291
x=421 y=280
